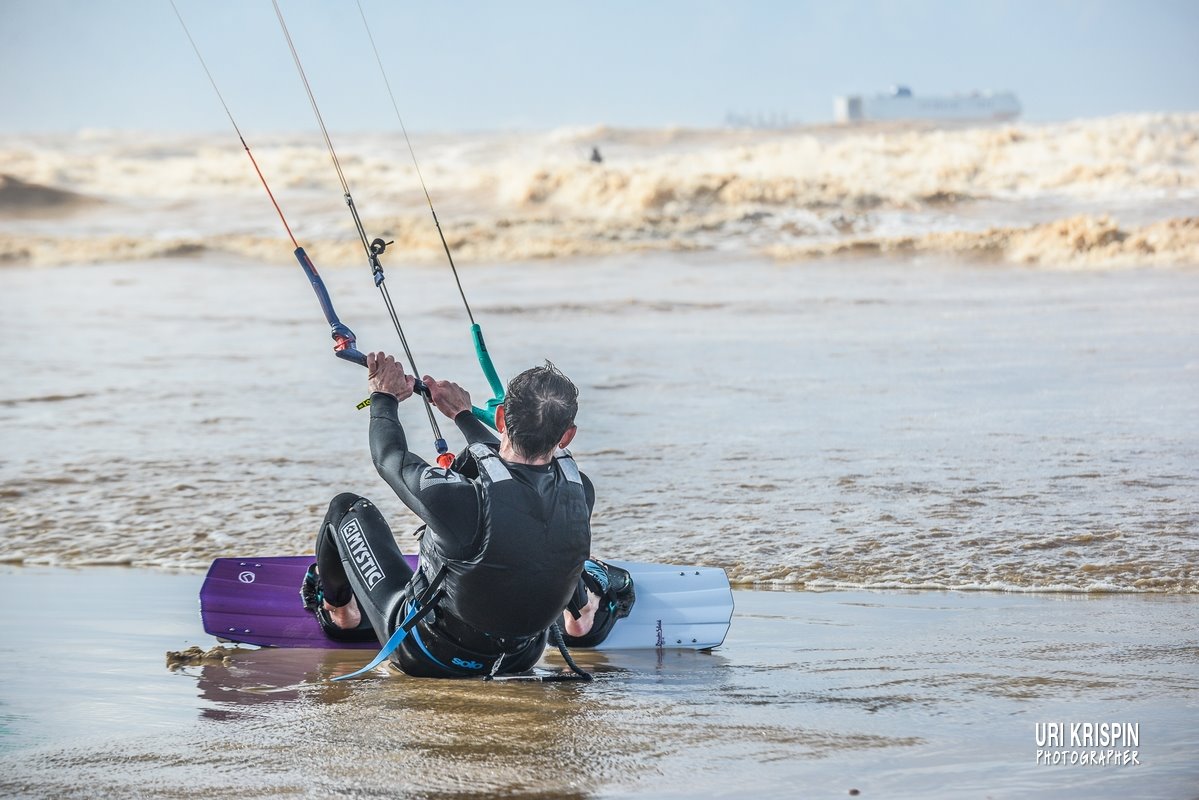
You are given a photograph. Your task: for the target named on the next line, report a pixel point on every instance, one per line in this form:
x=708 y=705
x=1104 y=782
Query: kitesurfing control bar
x=343 y=337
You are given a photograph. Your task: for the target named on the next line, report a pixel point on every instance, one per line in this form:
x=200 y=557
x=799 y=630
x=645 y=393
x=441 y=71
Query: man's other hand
x=450 y=398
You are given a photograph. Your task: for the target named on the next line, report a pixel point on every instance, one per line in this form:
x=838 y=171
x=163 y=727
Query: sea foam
x=1098 y=192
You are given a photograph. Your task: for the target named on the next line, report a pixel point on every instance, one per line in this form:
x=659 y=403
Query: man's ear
x=568 y=436
x=499 y=418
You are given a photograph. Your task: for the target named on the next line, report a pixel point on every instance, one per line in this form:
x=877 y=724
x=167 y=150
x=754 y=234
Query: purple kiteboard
x=257 y=601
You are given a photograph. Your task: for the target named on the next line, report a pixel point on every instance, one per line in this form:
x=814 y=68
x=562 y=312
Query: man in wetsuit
x=507 y=531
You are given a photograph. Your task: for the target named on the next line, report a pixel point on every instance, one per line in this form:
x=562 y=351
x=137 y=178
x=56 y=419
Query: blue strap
x=430 y=656
x=389 y=648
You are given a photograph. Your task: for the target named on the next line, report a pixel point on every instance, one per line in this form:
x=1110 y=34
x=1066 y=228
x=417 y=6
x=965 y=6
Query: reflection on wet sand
x=251 y=677
x=649 y=718
x=462 y=737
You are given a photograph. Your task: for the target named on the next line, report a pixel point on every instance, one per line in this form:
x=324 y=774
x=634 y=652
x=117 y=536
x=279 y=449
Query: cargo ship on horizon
x=901 y=104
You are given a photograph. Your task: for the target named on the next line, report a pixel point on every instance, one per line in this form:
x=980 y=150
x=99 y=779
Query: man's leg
x=358 y=559
x=339 y=597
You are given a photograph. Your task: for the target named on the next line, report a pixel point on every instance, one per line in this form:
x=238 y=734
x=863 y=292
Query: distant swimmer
x=596 y=158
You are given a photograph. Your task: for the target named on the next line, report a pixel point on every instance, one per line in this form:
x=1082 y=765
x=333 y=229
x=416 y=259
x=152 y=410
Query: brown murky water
x=853 y=425
x=850 y=424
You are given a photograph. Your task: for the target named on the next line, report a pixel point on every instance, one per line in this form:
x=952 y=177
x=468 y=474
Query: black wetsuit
x=512 y=555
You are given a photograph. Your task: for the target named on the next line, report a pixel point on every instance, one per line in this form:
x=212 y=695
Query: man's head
x=539 y=410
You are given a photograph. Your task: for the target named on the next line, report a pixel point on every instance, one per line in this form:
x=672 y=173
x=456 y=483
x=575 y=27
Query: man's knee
x=340 y=506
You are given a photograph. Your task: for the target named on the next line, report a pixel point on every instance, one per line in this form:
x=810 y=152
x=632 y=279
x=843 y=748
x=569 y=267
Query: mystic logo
x=361 y=554
x=466 y=664
x=246 y=577
x=1099 y=744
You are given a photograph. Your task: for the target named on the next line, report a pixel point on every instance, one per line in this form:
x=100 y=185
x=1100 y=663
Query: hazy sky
x=70 y=64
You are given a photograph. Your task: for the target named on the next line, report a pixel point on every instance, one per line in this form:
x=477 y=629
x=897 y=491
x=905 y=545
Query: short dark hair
x=539 y=407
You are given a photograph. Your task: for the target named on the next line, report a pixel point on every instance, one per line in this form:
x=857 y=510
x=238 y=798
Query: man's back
x=512 y=537
x=534 y=524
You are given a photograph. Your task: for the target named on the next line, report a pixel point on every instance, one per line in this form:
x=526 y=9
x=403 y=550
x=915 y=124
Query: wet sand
x=891 y=693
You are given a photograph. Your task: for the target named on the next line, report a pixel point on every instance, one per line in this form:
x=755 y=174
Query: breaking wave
x=1082 y=241
x=19 y=197
x=1033 y=194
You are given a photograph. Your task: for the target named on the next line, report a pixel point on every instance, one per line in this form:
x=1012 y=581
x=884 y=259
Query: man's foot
x=344 y=623
x=582 y=625
x=346 y=617
x=597 y=581
x=610 y=596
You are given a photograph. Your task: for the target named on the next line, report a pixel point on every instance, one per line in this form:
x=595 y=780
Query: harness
x=533 y=535
x=432 y=620
x=489 y=460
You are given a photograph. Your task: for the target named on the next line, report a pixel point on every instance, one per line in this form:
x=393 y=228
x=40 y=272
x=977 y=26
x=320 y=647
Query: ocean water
x=842 y=423
x=819 y=358
x=876 y=364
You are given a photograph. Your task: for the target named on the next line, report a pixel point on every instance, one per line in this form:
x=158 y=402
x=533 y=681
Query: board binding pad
x=257 y=601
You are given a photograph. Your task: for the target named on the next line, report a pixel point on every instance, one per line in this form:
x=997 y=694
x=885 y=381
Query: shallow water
x=812 y=691
x=837 y=424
